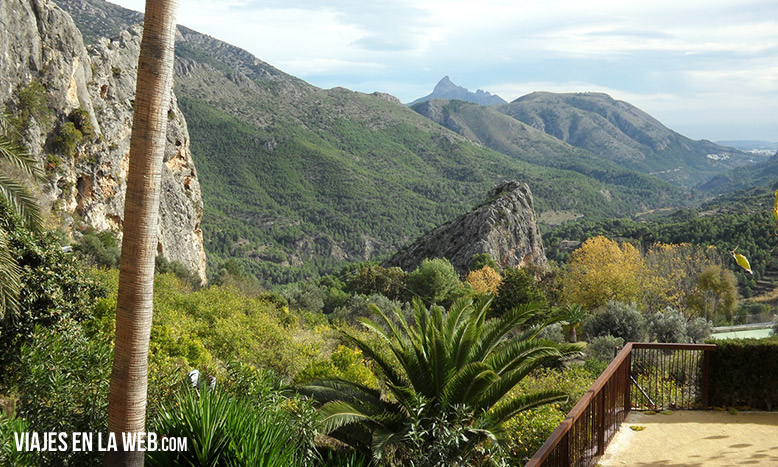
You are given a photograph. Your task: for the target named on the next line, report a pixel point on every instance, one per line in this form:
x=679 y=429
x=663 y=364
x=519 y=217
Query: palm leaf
x=10 y=284
x=20 y=201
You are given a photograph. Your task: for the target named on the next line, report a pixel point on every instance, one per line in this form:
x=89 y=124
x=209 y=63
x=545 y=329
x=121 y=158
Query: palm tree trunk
x=129 y=378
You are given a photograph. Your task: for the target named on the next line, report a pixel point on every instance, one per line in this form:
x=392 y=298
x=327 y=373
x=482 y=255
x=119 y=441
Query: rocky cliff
x=76 y=108
x=504 y=226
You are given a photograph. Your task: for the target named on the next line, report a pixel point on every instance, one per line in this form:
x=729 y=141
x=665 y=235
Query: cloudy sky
x=706 y=68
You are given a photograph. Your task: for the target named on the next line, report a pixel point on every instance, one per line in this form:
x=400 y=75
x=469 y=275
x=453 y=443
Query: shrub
x=517 y=288
x=223 y=429
x=435 y=281
x=479 y=260
x=617 y=319
x=668 y=326
x=371 y=279
x=67 y=139
x=32 y=103
x=63 y=387
x=484 y=280
x=8 y=453
x=528 y=431
x=99 y=248
x=82 y=121
x=603 y=348
x=164 y=266
x=698 y=329
x=56 y=289
x=744 y=372
x=344 y=363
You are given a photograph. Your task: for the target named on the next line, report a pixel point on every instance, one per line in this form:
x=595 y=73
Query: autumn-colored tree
x=602 y=270
x=718 y=290
x=673 y=272
x=484 y=280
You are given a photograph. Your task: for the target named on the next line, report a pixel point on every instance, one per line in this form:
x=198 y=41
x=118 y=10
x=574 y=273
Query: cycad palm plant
x=15 y=195
x=447 y=377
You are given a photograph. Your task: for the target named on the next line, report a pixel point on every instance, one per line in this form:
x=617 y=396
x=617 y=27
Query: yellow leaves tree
x=601 y=270
x=673 y=272
x=484 y=280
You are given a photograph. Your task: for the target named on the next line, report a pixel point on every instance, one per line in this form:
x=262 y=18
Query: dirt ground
x=695 y=438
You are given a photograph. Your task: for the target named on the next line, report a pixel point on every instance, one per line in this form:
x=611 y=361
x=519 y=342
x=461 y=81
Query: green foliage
x=163 y=266
x=55 y=289
x=447 y=377
x=372 y=279
x=32 y=103
x=8 y=453
x=344 y=363
x=67 y=139
x=82 y=121
x=63 y=387
x=100 y=249
x=775 y=325
x=698 y=329
x=222 y=429
x=480 y=260
x=603 y=348
x=529 y=430
x=617 y=319
x=517 y=288
x=744 y=372
x=435 y=281
x=668 y=326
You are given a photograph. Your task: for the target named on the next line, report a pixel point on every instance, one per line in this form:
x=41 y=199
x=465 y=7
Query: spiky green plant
x=224 y=430
x=13 y=192
x=446 y=378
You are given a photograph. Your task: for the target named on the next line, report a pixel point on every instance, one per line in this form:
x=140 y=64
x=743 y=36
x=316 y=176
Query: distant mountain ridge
x=297 y=180
x=624 y=134
x=446 y=89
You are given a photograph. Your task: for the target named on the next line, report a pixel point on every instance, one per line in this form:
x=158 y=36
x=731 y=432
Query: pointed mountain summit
x=446 y=89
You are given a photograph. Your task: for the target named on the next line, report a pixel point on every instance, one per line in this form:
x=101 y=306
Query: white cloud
x=683 y=59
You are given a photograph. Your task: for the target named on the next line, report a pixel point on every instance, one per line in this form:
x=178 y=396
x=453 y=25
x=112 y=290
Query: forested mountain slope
x=298 y=179
x=626 y=135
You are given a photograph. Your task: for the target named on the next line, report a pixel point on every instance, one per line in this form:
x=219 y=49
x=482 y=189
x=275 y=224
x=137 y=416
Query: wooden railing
x=643 y=376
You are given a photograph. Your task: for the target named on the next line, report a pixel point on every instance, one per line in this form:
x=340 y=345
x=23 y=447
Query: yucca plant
x=446 y=379
x=15 y=164
x=224 y=430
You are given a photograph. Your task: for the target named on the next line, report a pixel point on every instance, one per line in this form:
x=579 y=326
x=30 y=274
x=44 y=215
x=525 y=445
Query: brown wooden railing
x=642 y=376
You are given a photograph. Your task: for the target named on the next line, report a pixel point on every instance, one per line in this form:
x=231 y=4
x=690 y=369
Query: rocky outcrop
x=446 y=89
x=93 y=91
x=504 y=226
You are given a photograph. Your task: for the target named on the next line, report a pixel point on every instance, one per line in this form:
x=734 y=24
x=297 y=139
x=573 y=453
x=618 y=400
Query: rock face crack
x=504 y=227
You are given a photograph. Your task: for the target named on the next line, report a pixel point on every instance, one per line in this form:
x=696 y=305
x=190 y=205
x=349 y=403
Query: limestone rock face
x=40 y=43
x=504 y=226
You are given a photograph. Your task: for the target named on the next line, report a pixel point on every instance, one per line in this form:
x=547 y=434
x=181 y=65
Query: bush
x=67 y=139
x=517 y=288
x=668 y=326
x=8 y=453
x=744 y=372
x=56 y=289
x=603 y=348
x=99 y=248
x=63 y=387
x=32 y=103
x=698 y=329
x=528 y=430
x=223 y=429
x=479 y=260
x=435 y=281
x=82 y=121
x=775 y=325
x=617 y=319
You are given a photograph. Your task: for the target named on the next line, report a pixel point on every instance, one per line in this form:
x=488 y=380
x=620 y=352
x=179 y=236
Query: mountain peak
x=446 y=89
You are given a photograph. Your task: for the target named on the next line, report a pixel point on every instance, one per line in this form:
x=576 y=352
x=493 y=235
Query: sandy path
x=696 y=438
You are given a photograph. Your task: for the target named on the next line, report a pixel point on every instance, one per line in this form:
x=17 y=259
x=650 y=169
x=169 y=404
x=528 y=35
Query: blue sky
x=708 y=69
